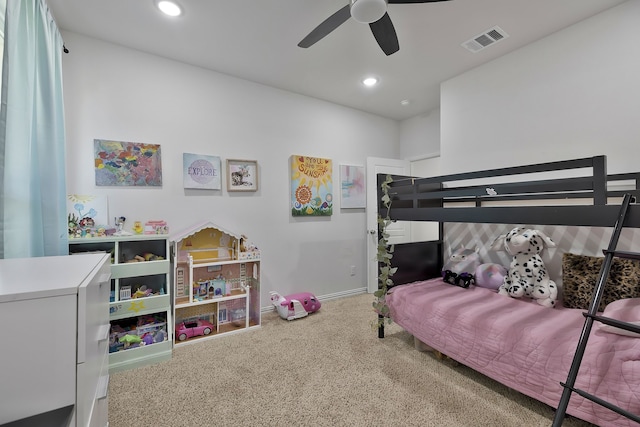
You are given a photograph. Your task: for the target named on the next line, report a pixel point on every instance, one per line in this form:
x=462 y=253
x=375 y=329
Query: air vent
x=486 y=39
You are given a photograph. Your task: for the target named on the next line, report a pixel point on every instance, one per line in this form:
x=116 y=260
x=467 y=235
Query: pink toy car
x=193 y=328
x=295 y=306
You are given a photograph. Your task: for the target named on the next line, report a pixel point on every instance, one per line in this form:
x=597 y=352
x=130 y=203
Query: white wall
x=116 y=93
x=572 y=94
x=420 y=136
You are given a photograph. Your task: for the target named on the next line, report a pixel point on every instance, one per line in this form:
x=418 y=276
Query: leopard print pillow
x=580 y=276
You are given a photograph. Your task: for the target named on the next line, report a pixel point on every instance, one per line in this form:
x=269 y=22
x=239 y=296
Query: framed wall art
x=87 y=207
x=311 y=186
x=119 y=163
x=352 y=188
x=201 y=172
x=242 y=175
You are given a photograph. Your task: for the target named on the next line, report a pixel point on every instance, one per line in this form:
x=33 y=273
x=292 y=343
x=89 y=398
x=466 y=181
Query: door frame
x=377 y=165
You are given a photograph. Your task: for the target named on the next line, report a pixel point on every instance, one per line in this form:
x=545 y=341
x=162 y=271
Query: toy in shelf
x=137 y=227
x=145 y=331
x=142 y=292
x=147 y=256
x=119 y=221
x=248 y=250
x=194 y=328
x=156 y=227
x=295 y=306
x=125 y=293
x=86 y=227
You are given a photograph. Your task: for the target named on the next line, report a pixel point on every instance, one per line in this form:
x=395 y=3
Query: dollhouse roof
x=198 y=227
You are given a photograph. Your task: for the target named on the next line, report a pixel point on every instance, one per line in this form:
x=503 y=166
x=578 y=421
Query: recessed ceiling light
x=370 y=81
x=169 y=8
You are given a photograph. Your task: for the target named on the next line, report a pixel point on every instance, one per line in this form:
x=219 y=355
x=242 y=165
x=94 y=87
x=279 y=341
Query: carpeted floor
x=328 y=369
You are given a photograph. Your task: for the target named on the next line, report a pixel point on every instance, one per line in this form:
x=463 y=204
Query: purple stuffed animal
x=460 y=267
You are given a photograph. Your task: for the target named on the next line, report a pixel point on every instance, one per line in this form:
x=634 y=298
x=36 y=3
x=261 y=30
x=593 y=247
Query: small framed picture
x=242 y=175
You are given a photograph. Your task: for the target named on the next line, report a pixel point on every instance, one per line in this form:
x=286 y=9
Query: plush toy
x=490 y=275
x=295 y=306
x=528 y=275
x=460 y=267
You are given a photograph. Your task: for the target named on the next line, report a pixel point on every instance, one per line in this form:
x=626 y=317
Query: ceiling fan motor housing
x=368 y=11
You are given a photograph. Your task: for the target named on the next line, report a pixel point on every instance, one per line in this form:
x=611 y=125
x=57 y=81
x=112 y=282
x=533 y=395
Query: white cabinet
x=54 y=314
x=140 y=310
x=216 y=283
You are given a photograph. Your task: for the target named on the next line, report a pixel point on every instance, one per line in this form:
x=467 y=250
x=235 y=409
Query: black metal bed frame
x=492 y=196
x=446 y=198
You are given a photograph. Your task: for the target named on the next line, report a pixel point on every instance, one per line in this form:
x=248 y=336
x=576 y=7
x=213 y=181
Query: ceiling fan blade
x=385 y=34
x=328 y=25
x=412 y=1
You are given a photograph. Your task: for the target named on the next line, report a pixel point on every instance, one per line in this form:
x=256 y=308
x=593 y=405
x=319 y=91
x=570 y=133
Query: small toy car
x=193 y=328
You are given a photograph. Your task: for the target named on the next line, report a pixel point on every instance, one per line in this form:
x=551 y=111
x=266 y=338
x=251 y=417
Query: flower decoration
x=303 y=194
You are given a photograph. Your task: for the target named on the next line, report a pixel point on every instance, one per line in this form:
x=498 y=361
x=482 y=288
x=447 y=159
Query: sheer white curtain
x=33 y=219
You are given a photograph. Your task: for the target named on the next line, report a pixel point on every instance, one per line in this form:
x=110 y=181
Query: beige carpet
x=328 y=369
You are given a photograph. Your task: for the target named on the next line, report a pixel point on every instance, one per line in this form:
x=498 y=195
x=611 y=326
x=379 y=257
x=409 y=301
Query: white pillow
x=619 y=331
x=625 y=310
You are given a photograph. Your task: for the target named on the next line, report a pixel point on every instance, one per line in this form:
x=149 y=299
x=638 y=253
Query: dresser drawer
x=93 y=342
x=37 y=365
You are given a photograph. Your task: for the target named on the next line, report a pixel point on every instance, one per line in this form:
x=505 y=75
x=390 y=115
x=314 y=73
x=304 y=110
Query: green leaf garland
x=385 y=254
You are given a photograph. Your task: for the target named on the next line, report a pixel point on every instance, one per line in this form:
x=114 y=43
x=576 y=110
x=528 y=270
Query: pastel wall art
x=201 y=172
x=352 y=188
x=311 y=186
x=87 y=207
x=119 y=163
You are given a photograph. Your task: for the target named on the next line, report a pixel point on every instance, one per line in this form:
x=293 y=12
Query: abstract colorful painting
x=311 y=186
x=120 y=163
x=201 y=171
x=352 y=188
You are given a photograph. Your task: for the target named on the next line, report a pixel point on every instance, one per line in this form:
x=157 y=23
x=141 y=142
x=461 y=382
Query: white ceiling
x=257 y=40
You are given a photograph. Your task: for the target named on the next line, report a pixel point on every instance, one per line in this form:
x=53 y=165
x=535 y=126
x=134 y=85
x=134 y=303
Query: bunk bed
x=527 y=347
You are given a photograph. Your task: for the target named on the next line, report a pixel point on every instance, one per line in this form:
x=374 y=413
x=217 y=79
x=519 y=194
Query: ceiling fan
x=372 y=12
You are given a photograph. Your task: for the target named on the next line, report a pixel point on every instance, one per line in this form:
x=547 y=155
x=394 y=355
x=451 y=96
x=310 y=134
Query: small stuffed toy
x=460 y=267
x=490 y=275
x=528 y=275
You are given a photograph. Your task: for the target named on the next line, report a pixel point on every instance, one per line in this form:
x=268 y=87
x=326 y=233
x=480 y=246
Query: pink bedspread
x=527 y=347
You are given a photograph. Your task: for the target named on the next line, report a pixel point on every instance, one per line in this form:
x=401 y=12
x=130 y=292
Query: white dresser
x=54 y=329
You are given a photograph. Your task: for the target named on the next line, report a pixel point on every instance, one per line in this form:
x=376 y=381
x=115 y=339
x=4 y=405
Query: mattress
x=524 y=346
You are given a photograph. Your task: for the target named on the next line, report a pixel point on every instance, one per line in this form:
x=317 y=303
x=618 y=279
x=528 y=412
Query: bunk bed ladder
x=590 y=317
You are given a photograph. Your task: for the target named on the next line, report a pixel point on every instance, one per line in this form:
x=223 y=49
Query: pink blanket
x=527 y=347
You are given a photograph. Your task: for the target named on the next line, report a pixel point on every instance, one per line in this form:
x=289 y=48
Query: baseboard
x=342 y=294
x=327 y=297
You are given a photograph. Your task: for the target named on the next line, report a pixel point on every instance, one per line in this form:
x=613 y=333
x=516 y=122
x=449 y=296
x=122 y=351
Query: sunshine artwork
x=311 y=186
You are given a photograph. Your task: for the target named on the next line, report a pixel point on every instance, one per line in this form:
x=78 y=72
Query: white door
x=400 y=232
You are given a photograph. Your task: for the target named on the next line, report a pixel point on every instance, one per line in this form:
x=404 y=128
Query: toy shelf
x=141 y=356
x=145 y=268
x=149 y=339
x=140 y=287
x=138 y=306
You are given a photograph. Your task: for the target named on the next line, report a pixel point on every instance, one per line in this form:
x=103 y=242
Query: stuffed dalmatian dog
x=528 y=275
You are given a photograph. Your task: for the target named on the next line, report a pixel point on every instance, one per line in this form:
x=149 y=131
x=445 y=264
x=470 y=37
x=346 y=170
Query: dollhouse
x=216 y=279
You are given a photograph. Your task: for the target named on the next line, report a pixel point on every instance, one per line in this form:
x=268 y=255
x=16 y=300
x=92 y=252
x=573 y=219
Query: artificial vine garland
x=385 y=253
